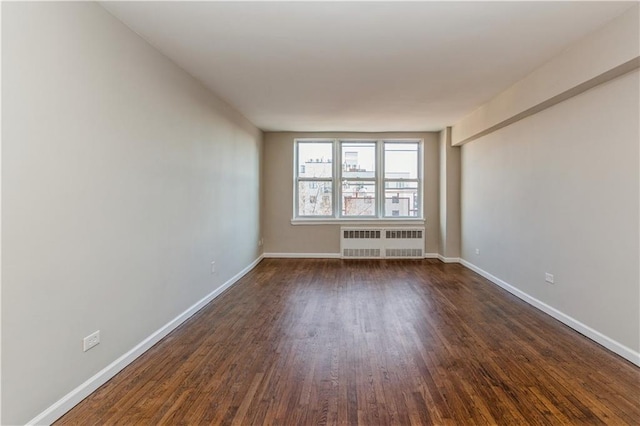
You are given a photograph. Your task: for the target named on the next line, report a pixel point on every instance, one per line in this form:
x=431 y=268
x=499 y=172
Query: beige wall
x=558 y=192
x=123 y=178
x=449 y=197
x=608 y=52
x=280 y=236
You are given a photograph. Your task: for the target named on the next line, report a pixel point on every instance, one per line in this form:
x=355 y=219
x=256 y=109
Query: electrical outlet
x=477 y=251
x=260 y=242
x=91 y=340
x=213 y=267
x=548 y=278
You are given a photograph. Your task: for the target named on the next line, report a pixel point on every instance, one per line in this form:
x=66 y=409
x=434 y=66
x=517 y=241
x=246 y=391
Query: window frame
x=297 y=179
x=418 y=180
x=340 y=178
x=378 y=180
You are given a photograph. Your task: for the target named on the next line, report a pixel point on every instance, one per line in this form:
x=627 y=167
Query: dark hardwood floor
x=301 y=342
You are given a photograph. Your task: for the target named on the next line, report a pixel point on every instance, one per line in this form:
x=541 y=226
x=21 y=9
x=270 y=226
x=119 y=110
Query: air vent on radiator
x=404 y=234
x=360 y=233
x=403 y=252
x=361 y=252
x=378 y=243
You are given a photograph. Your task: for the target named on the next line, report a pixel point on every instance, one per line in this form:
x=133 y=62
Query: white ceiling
x=356 y=66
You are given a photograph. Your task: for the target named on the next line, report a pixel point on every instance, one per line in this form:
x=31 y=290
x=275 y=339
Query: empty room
x=296 y=213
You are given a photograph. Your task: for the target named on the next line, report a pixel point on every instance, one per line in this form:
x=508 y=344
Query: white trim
x=620 y=349
x=1 y=228
x=448 y=259
x=68 y=401
x=302 y=255
x=343 y=221
x=379 y=178
x=329 y=256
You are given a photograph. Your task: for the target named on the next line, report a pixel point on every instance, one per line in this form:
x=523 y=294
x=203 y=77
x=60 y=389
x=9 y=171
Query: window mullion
x=337 y=179
x=421 y=179
x=380 y=178
x=359 y=180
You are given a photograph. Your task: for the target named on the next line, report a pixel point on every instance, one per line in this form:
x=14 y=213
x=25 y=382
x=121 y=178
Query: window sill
x=368 y=222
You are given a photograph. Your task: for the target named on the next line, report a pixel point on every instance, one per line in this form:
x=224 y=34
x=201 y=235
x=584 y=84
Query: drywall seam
x=615 y=72
x=616 y=347
x=67 y=402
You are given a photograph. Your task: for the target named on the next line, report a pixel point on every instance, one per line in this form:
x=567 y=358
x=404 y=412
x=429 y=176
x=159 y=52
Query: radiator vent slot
x=361 y=234
x=404 y=234
x=380 y=243
x=361 y=252
x=404 y=252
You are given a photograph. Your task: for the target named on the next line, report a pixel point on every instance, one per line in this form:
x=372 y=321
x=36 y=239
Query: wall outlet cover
x=91 y=340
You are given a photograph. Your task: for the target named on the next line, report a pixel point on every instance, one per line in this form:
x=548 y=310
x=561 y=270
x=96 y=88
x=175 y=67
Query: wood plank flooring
x=324 y=341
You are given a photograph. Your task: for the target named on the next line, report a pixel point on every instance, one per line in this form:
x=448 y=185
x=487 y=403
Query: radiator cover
x=382 y=243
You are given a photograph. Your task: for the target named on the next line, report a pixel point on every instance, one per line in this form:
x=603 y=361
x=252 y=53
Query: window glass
x=400 y=160
x=358 y=198
x=315 y=159
x=316 y=200
x=401 y=199
x=358 y=160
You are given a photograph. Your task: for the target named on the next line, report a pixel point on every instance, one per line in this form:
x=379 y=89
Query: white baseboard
x=448 y=259
x=303 y=255
x=70 y=400
x=620 y=349
x=335 y=256
x=67 y=402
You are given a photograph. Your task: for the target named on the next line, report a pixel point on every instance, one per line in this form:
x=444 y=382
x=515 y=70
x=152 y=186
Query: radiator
x=381 y=243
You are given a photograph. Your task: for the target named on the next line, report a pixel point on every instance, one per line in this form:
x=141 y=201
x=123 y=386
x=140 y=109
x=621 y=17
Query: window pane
x=315 y=159
x=400 y=160
x=358 y=159
x=401 y=199
x=315 y=198
x=358 y=198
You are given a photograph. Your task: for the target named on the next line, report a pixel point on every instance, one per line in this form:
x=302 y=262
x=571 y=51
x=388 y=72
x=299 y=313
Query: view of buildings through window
x=356 y=178
x=315 y=178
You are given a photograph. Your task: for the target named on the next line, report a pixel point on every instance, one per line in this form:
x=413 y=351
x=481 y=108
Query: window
x=361 y=179
x=401 y=178
x=315 y=179
x=358 y=171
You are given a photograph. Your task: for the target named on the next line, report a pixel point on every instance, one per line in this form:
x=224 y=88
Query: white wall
x=123 y=178
x=558 y=192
